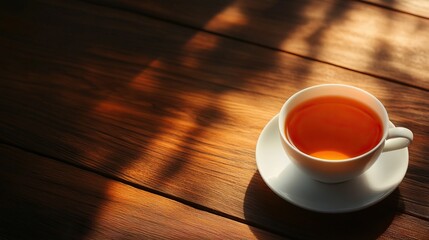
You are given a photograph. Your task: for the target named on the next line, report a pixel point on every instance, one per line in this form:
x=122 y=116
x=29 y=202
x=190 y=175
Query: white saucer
x=281 y=175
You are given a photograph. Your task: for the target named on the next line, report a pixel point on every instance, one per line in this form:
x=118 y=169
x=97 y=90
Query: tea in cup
x=335 y=132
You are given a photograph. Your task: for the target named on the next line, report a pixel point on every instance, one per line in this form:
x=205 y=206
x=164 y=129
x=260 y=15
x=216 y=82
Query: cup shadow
x=264 y=207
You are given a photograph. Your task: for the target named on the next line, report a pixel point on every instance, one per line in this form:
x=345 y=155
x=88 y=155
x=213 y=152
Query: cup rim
x=282 y=119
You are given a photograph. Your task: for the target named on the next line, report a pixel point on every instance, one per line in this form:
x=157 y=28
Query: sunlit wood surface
x=139 y=119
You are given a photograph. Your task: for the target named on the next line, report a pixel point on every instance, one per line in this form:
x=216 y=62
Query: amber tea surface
x=333 y=127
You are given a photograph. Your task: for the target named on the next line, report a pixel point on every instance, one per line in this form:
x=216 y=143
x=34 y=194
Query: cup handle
x=397 y=138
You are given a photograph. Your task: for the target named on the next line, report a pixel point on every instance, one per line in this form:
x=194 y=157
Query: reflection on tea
x=333 y=128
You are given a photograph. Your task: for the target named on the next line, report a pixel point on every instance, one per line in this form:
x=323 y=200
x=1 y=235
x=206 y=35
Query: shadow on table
x=99 y=95
x=82 y=85
x=261 y=204
x=98 y=88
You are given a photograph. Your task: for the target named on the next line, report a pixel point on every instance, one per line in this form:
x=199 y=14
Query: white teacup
x=334 y=171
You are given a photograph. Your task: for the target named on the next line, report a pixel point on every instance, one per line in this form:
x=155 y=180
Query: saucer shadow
x=263 y=208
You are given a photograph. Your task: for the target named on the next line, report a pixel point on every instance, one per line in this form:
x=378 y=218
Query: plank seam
x=189 y=26
x=391 y=9
x=147 y=189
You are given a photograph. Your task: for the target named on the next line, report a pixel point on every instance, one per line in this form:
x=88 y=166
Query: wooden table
x=139 y=119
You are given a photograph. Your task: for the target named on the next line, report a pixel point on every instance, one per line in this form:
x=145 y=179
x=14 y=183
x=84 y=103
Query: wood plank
x=180 y=115
x=350 y=34
x=416 y=7
x=399 y=231
x=43 y=198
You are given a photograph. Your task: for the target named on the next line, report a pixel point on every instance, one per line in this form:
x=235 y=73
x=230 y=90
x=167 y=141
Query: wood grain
x=415 y=7
x=350 y=34
x=106 y=90
x=43 y=198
